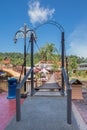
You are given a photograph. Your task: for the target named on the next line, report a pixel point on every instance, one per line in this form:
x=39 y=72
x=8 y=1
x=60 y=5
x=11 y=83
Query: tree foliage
x=47 y=52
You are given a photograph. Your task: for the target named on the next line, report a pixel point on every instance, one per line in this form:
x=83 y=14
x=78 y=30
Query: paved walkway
x=43 y=113
x=7 y=110
x=81 y=123
x=81 y=106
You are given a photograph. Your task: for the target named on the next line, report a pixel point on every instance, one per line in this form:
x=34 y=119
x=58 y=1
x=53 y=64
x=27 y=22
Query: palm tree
x=43 y=53
x=52 y=52
x=48 y=52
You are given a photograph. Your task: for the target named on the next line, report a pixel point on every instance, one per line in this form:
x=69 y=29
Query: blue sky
x=71 y=14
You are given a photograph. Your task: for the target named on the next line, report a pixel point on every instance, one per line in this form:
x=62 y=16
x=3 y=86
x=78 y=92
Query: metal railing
x=18 y=104
x=69 y=97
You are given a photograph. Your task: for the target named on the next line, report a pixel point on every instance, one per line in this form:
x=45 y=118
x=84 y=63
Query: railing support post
x=69 y=106
x=62 y=41
x=18 y=105
x=32 y=62
x=25 y=55
x=67 y=68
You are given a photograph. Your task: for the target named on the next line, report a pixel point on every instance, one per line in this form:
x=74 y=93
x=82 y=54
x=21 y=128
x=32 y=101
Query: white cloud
x=38 y=14
x=78 y=42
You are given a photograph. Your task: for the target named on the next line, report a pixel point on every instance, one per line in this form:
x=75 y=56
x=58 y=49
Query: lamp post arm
x=15 y=37
x=28 y=31
x=19 y=32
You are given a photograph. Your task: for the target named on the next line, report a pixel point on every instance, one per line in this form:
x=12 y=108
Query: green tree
x=72 y=62
x=48 y=51
x=42 y=53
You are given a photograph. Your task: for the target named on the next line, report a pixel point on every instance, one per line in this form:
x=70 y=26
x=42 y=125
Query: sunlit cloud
x=78 y=42
x=38 y=13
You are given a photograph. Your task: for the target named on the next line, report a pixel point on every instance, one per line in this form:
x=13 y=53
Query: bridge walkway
x=50 y=88
x=44 y=112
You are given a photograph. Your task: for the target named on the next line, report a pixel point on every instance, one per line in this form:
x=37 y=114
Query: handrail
x=18 y=105
x=69 y=97
x=24 y=79
x=66 y=79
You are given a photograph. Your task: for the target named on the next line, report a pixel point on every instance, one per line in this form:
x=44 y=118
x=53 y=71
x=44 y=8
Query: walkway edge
x=79 y=120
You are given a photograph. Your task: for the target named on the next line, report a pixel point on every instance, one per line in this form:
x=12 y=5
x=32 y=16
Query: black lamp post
x=63 y=47
x=23 y=33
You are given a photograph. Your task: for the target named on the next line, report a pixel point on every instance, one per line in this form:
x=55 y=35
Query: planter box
x=77 y=92
x=4 y=85
x=76 y=89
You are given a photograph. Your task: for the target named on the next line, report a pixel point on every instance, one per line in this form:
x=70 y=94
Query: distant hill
x=18 y=58
x=15 y=58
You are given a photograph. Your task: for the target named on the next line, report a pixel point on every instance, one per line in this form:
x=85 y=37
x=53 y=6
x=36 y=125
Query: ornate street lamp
x=24 y=32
